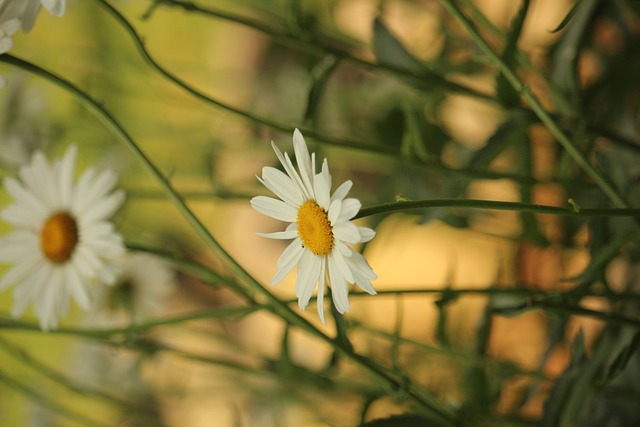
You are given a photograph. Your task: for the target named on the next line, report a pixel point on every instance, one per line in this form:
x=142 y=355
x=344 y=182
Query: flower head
x=140 y=291
x=320 y=226
x=61 y=239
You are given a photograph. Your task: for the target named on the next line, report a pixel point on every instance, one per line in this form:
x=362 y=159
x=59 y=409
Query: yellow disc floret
x=59 y=237
x=314 y=228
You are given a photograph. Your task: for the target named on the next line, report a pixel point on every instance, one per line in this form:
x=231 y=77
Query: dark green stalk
x=428 y=403
x=496 y=205
x=316 y=48
x=535 y=105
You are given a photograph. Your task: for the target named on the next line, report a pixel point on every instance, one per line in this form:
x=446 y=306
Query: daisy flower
x=61 y=240
x=140 y=291
x=320 y=227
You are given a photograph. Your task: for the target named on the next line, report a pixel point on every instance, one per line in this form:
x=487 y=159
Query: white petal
x=334 y=211
x=347 y=232
x=359 y=263
x=282 y=186
x=350 y=208
x=290 y=252
x=342 y=191
x=273 y=208
x=321 y=291
x=341 y=264
x=29 y=15
x=64 y=175
x=303 y=159
x=362 y=273
x=308 y=270
x=345 y=250
x=76 y=288
x=103 y=208
x=339 y=291
x=291 y=171
x=24 y=198
x=366 y=234
x=93 y=188
x=282 y=235
x=56 y=7
x=288 y=266
x=325 y=172
x=17 y=246
x=321 y=191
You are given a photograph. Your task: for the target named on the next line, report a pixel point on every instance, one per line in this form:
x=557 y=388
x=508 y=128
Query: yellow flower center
x=59 y=237
x=314 y=228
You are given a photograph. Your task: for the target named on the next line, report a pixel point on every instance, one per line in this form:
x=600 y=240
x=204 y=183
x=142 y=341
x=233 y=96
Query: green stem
x=535 y=105
x=574 y=310
x=469 y=358
x=496 y=205
x=317 y=48
x=146 y=56
x=427 y=402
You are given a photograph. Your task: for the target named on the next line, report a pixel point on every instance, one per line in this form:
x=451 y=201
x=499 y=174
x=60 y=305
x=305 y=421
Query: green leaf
x=319 y=77
x=389 y=51
x=506 y=94
x=562 y=390
x=403 y=421
x=512 y=131
x=421 y=138
x=568 y=17
x=603 y=253
x=564 y=67
x=623 y=357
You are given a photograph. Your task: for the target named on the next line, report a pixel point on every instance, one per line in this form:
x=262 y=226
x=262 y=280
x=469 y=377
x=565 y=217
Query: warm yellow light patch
x=59 y=237
x=314 y=228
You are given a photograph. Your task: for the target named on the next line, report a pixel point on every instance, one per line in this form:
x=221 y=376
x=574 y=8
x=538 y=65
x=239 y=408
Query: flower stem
x=496 y=205
x=535 y=105
x=426 y=402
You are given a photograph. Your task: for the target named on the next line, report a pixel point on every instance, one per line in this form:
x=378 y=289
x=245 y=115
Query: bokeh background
x=317 y=71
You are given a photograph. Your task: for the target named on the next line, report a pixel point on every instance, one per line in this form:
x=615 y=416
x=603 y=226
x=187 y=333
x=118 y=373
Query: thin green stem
x=496 y=205
x=428 y=403
x=575 y=310
x=597 y=176
x=317 y=48
x=138 y=328
x=146 y=56
x=448 y=352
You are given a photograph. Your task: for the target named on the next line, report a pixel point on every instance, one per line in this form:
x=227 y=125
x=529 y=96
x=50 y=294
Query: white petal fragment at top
x=62 y=240
x=22 y=13
x=320 y=225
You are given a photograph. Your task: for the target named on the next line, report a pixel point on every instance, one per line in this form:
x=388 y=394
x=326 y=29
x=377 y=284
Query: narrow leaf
x=505 y=92
x=389 y=51
x=319 y=77
x=403 y=421
x=568 y=17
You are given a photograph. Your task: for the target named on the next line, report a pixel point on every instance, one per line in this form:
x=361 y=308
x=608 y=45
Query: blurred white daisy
x=320 y=227
x=22 y=13
x=140 y=291
x=61 y=239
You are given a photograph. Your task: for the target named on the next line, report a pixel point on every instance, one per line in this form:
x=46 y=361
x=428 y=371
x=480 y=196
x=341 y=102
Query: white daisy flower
x=61 y=240
x=140 y=292
x=320 y=227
